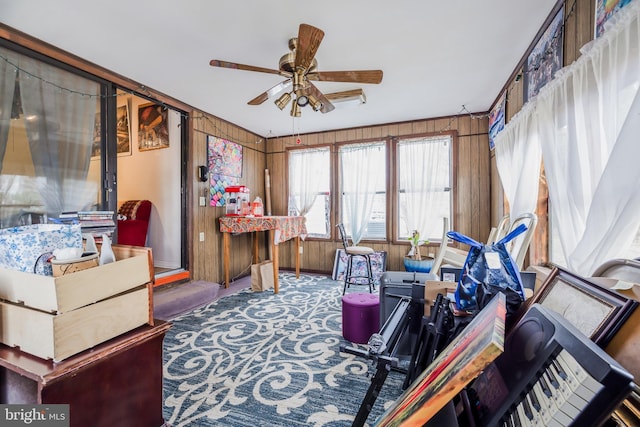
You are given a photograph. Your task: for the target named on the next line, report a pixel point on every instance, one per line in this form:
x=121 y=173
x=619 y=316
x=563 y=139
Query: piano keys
x=550 y=374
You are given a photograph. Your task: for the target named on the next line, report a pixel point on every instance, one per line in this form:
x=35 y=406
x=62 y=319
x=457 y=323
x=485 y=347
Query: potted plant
x=413 y=260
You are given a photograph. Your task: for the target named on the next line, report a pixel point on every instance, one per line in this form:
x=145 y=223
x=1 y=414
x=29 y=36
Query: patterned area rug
x=265 y=359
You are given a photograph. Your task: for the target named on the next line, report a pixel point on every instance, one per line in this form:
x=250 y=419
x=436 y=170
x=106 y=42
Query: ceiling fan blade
x=327 y=106
x=309 y=39
x=362 y=76
x=285 y=85
x=347 y=94
x=236 y=66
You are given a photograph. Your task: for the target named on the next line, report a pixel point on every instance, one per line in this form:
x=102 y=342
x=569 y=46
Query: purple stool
x=360 y=316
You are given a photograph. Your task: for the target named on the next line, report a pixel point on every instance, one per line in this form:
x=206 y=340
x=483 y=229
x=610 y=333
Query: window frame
x=338 y=190
x=453 y=206
x=288 y=150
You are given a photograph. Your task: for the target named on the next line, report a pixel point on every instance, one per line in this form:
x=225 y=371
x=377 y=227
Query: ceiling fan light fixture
x=295 y=110
x=283 y=100
x=302 y=100
x=315 y=104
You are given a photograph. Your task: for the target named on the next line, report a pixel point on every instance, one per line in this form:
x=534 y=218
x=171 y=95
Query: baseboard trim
x=171 y=278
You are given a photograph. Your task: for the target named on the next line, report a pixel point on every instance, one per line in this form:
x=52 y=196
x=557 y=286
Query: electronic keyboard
x=550 y=374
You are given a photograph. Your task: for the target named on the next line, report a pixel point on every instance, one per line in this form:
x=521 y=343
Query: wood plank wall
x=471 y=169
x=207 y=257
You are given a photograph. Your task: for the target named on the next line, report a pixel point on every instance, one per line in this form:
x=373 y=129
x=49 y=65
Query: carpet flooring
x=264 y=359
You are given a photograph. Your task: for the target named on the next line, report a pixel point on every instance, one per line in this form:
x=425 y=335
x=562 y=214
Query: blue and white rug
x=265 y=359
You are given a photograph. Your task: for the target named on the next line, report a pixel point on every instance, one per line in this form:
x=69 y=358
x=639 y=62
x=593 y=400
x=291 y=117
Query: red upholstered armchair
x=133 y=222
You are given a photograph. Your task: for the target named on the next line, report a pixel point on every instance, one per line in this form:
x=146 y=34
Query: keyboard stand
x=391 y=334
x=432 y=338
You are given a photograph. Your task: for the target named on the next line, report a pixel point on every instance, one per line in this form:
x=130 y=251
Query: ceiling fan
x=299 y=66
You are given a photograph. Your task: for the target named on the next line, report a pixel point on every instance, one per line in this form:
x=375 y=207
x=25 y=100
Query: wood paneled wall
x=471 y=169
x=207 y=256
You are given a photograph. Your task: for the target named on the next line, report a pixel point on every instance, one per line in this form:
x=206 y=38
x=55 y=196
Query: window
x=46 y=145
x=363 y=181
x=424 y=196
x=310 y=188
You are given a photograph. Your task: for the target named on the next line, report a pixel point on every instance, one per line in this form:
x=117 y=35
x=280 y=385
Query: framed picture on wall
x=97 y=137
x=605 y=9
x=546 y=57
x=595 y=311
x=153 y=127
x=496 y=120
x=123 y=131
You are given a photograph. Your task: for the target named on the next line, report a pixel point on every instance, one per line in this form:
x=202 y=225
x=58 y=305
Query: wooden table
x=280 y=228
x=116 y=383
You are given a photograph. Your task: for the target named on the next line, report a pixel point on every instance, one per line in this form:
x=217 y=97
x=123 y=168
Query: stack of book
x=97 y=223
x=66 y=218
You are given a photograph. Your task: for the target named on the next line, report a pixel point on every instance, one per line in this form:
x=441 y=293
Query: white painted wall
x=155 y=175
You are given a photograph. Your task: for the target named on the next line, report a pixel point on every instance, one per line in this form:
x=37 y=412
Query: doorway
x=149 y=167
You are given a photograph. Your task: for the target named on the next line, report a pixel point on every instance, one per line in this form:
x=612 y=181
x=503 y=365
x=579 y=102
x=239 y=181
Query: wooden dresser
x=117 y=383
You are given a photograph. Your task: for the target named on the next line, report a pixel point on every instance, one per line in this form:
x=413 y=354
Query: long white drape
x=587 y=121
x=423 y=177
x=8 y=71
x=361 y=178
x=60 y=131
x=518 y=159
x=306 y=169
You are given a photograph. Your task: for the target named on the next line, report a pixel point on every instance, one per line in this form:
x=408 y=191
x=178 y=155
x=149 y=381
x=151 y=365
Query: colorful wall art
x=224 y=160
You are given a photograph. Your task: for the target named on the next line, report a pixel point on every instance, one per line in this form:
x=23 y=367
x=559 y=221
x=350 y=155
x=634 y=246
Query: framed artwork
x=496 y=120
x=359 y=267
x=595 y=311
x=224 y=157
x=545 y=59
x=224 y=161
x=217 y=184
x=123 y=131
x=153 y=127
x=473 y=349
x=605 y=9
x=97 y=137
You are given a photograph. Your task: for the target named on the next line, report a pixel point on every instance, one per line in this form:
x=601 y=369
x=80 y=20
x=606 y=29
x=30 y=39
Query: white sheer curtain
x=518 y=159
x=423 y=174
x=589 y=113
x=306 y=167
x=588 y=122
x=8 y=71
x=59 y=127
x=361 y=178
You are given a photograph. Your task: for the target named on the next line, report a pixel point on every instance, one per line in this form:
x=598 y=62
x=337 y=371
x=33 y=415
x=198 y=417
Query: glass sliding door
x=49 y=125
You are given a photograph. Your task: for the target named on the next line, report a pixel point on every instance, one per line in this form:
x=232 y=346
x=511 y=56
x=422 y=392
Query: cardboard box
x=431 y=290
x=57 y=317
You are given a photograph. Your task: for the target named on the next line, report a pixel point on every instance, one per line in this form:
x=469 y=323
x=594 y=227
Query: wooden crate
x=55 y=318
x=70 y=292
x=58 y=336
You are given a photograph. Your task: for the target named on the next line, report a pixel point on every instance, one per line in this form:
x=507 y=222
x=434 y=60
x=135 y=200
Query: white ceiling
x=438 y=58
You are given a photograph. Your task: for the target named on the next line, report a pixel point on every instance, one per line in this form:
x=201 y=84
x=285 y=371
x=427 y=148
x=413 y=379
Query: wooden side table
x=280 y=228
